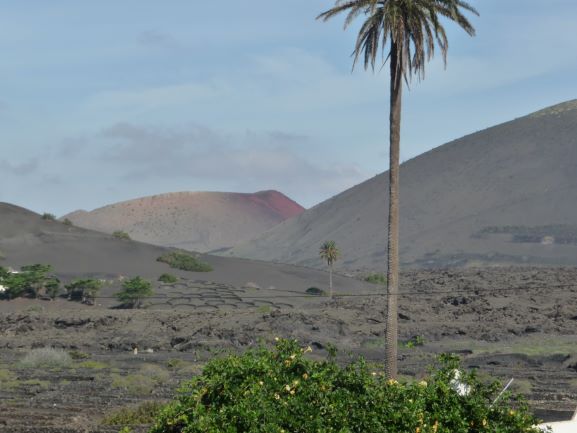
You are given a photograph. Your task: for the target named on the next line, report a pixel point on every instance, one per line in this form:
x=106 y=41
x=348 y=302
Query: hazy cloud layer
x=261 y=160
x=25 y=168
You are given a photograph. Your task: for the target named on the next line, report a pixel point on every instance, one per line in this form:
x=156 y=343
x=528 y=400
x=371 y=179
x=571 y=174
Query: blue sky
x=111 y=100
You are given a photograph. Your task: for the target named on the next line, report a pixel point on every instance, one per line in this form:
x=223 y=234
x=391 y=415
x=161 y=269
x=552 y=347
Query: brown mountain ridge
x=197 y=221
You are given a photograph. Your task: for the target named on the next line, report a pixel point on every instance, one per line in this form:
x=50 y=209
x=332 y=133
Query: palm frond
x=410 y=27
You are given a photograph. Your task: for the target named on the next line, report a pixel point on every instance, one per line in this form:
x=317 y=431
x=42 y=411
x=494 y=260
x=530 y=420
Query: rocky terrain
x=516 y=323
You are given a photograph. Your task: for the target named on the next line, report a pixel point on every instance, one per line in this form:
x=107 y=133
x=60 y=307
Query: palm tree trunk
x=391 y=334
x=331 y=281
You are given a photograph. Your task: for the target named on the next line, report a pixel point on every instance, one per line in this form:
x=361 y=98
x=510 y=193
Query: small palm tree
x=411 y=29
x=330 y=253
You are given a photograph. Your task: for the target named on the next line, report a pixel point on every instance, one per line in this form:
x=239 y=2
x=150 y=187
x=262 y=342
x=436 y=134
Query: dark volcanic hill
x=197 y=221
x=505 y=195
x=25 y=238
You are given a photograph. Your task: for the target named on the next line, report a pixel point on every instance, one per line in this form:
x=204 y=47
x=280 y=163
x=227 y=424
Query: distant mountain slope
x=198 y=221
x=507 y=194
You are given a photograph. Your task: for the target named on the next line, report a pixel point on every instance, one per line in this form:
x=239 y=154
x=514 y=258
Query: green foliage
x=329 y=252
x=134 y=291
x=144 y=413
x=415 y=341
x=376 y=278
x=33 y=280
x=168 y=278
x=46 y=357
x=122 y=235
x=184 y=262
x=67 y=222
x=84 y=290
x=48 y=216
x=281 y=390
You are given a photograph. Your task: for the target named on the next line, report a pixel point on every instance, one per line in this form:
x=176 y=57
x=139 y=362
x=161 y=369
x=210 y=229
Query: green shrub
x=376 y=278
x=417 y=340
x=67 y=222
x=48 y=216
x=144 y=413
x=282 y=391
x=315 y=291
x=122 y=235
x=168 y=279
x=46 y=357
x=134 y=291
x=83 y=290
x=184 y=262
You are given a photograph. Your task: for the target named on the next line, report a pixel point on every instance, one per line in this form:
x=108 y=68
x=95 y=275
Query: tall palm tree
x=411 y=29
x=330 y=253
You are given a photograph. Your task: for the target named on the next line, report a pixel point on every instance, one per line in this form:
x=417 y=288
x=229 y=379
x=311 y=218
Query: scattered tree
x=330 y=253
x=134 y=291
x=67 y=222
x=35 y=280
x=411 y=29
x=83 y=290
x=48 y=216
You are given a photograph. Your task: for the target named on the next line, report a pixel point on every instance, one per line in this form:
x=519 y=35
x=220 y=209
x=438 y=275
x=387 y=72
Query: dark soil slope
x=25 y=238
x=505 y=195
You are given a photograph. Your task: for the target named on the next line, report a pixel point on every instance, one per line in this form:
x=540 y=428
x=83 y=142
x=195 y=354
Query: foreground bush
x=184 y=262
x=282 y=391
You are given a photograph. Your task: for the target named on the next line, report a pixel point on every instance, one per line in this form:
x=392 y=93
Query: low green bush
x=184 y=262
x=48 y=216
x=168 y=279
x=376 y=278
x=280 y=390
x=122 y=235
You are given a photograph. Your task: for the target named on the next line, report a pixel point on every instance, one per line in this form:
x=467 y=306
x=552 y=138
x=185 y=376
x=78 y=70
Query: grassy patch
x=144 y=413
x=8 y=379
x=92 y=365
x=133 y=384
x=530 y=346
x=143 y=382
x=46 y=357
x=184 y=262
x=376 y=278
x=78 y=355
